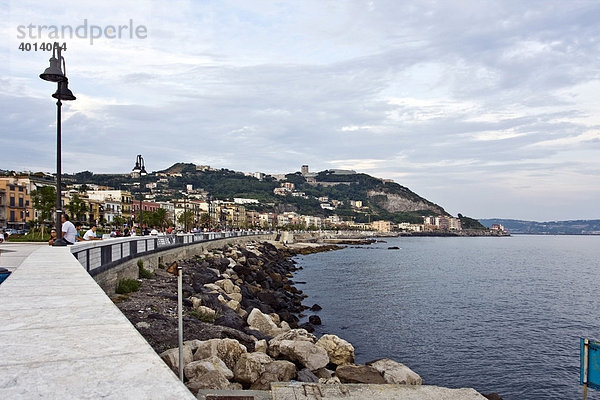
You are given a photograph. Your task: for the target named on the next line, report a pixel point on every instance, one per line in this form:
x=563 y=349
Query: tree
x=77 y=207
x=119 y=221
x=205 y=220
x=186 y=219
x=160 y=218
x=44 y=201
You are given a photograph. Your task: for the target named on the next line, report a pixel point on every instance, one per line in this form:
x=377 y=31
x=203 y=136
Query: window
x=20 y=202
x=21 y=188
x=12 y=215
x=12 y=201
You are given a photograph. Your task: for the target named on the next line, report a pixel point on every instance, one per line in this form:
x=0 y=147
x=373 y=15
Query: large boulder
x=304 y=352
x=296 y=334
x=171 y=357
x=340 y=352
x=306 y=375
x=210 y=380
x=358 y=374
x=261 y=345
x=395 y=372
x=277 y=371
x=226 y=285
x=263 y=323
x=250 y=367
x=197 y=368
x=230 y=318
x=228 y=350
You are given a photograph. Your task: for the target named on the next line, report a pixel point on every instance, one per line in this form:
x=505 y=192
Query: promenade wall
x=111 y=260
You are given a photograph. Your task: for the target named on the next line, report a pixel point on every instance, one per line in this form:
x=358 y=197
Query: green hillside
x=380 y=199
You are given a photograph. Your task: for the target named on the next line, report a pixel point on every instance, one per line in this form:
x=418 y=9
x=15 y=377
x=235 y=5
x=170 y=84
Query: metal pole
x=180 y=320
x=58 y=169
x=586 y=352
x=141 y=212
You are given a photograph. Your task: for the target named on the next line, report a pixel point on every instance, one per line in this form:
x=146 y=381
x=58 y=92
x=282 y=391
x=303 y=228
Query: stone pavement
x=13 y=254
x=61 y=337
x=314 y=391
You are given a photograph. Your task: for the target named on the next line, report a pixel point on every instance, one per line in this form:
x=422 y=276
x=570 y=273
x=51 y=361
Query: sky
x=487 y=108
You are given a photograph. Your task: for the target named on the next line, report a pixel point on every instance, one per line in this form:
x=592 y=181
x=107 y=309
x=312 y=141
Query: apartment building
x=16 y=207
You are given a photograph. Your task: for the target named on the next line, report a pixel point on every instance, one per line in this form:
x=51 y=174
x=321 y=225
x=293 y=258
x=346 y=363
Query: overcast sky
x=487 y=108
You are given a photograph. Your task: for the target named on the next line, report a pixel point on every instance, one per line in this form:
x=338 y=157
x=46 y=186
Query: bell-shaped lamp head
x=53 y=73
x=63 y=92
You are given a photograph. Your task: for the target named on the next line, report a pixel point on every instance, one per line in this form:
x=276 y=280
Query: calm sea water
x=497 y=314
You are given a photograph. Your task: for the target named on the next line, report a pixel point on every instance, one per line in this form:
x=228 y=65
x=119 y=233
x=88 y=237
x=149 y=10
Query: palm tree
x=160 y=218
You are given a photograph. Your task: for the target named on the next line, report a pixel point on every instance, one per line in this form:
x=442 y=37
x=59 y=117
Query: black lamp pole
x=139 y=171
x=54 y=73
x=185 y=213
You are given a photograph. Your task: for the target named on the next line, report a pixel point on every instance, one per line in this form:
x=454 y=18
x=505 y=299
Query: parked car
x=10 y=231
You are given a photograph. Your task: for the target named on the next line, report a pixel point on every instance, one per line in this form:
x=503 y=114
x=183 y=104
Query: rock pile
x=241 y=320
x=292 y=355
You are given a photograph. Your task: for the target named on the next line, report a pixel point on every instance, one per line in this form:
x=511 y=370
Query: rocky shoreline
x=241 y=323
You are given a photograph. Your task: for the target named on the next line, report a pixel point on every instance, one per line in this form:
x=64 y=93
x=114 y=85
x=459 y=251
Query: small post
x=175 y=269
x=586 y=353
x=180 y=319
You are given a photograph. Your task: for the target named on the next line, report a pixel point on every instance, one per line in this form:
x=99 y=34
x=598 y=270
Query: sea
x=498 y=314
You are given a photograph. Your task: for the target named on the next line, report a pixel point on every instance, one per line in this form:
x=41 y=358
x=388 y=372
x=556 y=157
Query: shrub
x=127 y=286
x=144 y=273
x=140 y=263
x=204 y=317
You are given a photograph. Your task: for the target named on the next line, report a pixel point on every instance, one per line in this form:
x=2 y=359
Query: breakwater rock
x=241 y=325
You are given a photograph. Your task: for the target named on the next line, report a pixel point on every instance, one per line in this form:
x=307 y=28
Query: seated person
x=77 y=235
x=91 y=234
x=52 y=237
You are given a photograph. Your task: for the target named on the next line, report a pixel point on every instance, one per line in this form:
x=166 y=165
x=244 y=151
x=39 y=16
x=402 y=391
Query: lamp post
x=138 y=172
x=54 y=73
x=185 y=213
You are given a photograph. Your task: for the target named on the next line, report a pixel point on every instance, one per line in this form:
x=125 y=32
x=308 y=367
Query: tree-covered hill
x=346 y=191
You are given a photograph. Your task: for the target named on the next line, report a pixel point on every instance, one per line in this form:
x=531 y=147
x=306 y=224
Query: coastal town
x=144 y=199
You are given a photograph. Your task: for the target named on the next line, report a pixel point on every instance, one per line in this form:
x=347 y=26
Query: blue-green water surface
x=497 y=314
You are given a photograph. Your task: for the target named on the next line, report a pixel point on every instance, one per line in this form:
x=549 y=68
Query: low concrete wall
x=108 y=280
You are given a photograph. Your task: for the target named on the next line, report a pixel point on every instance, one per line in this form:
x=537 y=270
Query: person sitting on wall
x=68 y=232
x=78 y=237
x=52 y=237
x=91 y=234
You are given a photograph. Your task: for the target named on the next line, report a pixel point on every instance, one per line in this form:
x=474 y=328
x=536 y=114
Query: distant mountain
x=577 y=227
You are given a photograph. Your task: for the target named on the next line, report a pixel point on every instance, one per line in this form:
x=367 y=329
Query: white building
x=241 y=200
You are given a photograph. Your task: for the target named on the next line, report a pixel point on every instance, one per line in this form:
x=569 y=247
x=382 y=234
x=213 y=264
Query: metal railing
x=99 y=256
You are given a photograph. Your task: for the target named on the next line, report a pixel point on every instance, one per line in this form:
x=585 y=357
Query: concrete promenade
x=61 y=337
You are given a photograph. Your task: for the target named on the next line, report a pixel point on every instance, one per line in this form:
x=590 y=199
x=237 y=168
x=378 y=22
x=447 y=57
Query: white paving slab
x=62 y=337
x=312 y=391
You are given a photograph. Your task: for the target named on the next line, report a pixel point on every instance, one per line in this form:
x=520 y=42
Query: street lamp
x=185 y=213
x=54 y=73
x=138 y=172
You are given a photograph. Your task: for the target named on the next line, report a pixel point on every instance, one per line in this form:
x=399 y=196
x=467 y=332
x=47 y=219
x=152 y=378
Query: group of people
x=70 y=233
